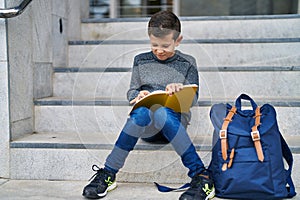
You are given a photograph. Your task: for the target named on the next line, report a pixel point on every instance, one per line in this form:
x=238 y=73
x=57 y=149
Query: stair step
x=49 y=190
x=64 y=190
x=198 y=27
x=79 y=125
x=50 y=156
x=105 y=141
x=214 y=83
x=73 y=140
x=212 y=53
x=108 y=116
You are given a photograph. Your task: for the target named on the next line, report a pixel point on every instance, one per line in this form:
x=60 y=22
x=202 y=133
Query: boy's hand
x=173 y=87
x=141 y=95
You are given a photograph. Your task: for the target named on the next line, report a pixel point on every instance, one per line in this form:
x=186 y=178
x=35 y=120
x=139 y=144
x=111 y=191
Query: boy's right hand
x=141 y=95
x=173 y=88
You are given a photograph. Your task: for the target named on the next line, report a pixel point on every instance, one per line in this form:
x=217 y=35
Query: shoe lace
x=98 y=176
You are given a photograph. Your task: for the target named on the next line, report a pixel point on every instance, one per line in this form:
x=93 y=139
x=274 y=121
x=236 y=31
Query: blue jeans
x=161 y=125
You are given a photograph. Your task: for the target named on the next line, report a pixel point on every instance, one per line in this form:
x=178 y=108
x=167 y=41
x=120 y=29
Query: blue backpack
x=248 y=151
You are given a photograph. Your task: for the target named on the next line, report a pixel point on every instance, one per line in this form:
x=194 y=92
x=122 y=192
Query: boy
x=163 y=68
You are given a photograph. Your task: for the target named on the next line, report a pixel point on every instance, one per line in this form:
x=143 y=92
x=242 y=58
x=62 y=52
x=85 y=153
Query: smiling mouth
x=161 y=56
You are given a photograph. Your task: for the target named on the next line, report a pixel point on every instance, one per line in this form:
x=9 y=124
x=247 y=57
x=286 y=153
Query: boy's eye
x=166 y=46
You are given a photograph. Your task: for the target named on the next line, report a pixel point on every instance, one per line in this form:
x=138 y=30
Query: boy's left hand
x=141 y=95
x=173 y=87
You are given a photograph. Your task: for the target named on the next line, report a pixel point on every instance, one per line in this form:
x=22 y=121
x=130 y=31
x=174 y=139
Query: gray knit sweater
x=151 y=74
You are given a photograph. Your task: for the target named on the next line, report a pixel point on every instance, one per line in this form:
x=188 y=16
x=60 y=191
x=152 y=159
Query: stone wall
x=4 y=111
x=38 y=41
x=20 y=56
x=31 y=45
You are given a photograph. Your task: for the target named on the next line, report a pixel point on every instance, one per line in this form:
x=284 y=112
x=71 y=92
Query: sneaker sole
x=110 y=188
x=211 y=195
x=101 y=195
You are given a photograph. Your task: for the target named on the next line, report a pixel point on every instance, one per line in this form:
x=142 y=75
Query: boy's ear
x=178 y=40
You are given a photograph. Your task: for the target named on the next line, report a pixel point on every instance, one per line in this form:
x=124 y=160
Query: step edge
x=57 y=101
x=139 y=147
x=197 y=18
x=187 y=41
x=200 y=69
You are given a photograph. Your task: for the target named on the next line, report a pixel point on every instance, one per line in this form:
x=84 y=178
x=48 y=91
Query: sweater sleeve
x=135 y=84
x=193 y=78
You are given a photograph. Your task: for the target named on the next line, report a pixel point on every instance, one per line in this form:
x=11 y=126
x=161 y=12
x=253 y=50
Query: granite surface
x=64 y=190
x=4 y=100
x=213 y=84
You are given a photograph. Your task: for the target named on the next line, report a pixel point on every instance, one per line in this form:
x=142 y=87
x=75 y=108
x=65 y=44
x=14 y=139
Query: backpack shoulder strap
x=256 y=136
x=223 y=131
x=288 y=156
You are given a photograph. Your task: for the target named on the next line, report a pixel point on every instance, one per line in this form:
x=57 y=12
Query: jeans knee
x=160 y=117
x=141 y=116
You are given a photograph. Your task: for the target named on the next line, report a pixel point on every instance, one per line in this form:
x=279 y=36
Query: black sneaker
x=103 y=182
x=202 y=188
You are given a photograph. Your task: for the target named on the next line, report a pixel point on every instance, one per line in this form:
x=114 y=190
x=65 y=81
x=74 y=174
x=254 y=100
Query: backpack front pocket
x=258 y=183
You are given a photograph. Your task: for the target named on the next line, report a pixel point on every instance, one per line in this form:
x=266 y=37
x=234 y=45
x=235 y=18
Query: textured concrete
x=59 y=190
x=227 y=54
x=4 y=119
x=51 y=156
x=3 y=53
x=72 y=138
x=20 y=31
x=162 y=164
x=214 y=84
x=206 y=29
x=4 y=100
x=63 y=190
x=75 y=164
x=43 y=30
x=85 y=85
x=42 y=78
x=110 y=119
x=42 y=44
x=59 y=42
x=79 y=10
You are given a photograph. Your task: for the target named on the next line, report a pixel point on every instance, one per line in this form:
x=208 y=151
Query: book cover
x=180 y=101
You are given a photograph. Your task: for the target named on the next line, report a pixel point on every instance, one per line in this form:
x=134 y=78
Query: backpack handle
x=238 y=102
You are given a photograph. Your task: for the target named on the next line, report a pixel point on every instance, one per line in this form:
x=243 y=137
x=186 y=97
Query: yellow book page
x=152 y=100
x=180 y=101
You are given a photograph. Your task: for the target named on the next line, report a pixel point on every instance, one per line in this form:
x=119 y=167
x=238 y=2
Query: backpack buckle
x=223 y=134
x=255 y=135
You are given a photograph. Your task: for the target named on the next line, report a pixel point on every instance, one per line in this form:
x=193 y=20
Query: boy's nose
x=160 y=50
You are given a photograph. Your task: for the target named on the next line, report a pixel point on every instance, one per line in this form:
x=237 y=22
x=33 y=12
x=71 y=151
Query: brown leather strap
x=231 y=158
x=223 y=131
x=256 y=136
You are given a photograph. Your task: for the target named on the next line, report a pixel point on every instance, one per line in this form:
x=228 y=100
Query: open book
x=180 y=101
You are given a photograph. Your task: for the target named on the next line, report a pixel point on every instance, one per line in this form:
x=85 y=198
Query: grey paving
x=60 y=190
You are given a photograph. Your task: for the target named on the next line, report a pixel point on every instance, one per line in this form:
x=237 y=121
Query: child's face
x=164 y=48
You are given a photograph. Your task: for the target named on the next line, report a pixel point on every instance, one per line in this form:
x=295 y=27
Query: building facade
x=145 y=8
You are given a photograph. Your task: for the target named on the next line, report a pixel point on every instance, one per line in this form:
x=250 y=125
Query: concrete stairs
x=78 y=125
